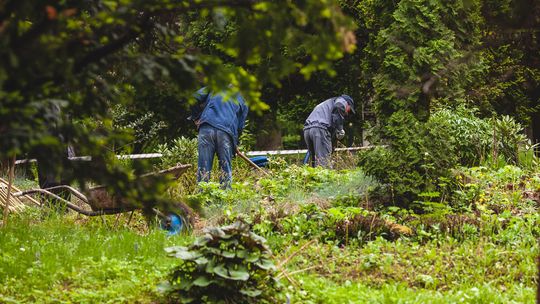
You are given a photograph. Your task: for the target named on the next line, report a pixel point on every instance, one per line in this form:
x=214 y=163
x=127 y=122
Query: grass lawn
x=52 y=258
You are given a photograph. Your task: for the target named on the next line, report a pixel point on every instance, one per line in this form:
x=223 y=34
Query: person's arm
x=201 y=97
x=242 y=115
x=338 y=116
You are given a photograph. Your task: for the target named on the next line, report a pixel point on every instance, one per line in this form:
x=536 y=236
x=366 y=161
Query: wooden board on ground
x=17 y=204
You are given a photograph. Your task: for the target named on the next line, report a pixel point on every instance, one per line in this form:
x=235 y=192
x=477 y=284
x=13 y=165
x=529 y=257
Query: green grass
x=441 y=271
x=319 y=290
x=444 y=264
x=73 y=259
x=57 y=260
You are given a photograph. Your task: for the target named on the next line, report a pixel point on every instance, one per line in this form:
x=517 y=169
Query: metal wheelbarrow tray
x=101 y=201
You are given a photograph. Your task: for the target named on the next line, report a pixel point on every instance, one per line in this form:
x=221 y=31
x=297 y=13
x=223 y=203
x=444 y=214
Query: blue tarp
x=261 y=161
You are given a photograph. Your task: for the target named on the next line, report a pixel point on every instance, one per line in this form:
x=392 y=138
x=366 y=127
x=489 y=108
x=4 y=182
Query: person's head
x=350 y=104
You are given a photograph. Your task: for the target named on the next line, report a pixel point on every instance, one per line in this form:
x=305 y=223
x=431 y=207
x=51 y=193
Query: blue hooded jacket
x=226 y=115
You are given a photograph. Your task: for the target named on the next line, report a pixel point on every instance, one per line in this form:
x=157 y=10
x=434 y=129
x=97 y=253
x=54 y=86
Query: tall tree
x=417 y=59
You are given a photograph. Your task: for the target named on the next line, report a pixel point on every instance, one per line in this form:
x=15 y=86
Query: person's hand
x=340 y=134
x=197 y=123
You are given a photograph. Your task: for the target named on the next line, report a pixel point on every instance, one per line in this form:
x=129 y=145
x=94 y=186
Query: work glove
x=340 y=134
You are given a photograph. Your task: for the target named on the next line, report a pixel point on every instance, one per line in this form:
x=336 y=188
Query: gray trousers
x=319 y=144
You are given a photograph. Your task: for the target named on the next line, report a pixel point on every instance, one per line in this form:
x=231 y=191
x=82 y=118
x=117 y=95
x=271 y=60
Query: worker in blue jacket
x=326 y=119
x=220 y=122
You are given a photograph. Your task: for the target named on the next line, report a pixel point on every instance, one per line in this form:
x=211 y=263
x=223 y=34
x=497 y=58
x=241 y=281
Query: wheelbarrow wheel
x=179 y=219
x=174 y=224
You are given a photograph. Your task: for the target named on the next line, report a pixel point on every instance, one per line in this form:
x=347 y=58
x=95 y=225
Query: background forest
x=443 y=206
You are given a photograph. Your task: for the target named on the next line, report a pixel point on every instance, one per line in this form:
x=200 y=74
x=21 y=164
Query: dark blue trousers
x=214 y=141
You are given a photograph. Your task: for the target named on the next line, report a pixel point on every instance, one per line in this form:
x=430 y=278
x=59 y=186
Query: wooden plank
x=8 y=195
x=89 y=158
x=301 y=151
x=159 y=155
x=25 y=197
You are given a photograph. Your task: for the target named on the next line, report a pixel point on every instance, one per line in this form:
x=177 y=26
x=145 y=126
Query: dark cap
x=350 y=101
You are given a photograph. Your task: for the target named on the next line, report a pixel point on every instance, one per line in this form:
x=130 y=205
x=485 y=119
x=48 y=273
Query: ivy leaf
x=183 y=253
x=242 y=254
x=253 y=257
x=217 y=232
x=201 y=261
x=203 y=240
x=227 y=254
x=175 y=248
x=213 y=250
x=220 y=270
x=210 y=266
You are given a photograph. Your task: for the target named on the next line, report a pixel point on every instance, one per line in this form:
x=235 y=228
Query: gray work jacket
x=329 y=115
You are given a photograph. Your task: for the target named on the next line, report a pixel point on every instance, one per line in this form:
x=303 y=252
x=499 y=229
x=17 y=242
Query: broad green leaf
x=251 y=292
x=265 y=264
x=227 y=254
x=239 y=275
x=203 y=281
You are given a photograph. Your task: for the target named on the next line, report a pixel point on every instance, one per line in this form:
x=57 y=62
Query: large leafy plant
x=230 y=264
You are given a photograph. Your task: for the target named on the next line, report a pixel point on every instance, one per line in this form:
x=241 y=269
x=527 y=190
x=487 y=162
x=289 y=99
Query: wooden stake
x=495 y=148
x=11 y=173
x=129 y=220
x=116 y=222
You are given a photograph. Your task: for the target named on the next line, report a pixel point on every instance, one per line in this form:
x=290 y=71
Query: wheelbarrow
x=102 y=202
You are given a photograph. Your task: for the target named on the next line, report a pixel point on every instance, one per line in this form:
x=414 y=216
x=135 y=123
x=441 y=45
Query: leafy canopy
x=81 y=58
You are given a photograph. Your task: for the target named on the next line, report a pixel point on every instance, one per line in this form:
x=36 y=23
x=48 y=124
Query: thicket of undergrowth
x=420 y=157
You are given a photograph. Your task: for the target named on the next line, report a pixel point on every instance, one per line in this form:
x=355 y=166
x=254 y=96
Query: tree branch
x=105 y=50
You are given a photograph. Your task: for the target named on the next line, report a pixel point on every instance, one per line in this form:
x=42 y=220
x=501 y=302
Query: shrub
x=182 y=150
x=413 y=160
x=474 y=140
x=420 y=154
x=230 y=264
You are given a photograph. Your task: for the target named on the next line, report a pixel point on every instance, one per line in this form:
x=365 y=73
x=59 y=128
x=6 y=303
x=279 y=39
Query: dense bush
x=421 y=156
x=412 y=162
x=181 y=151
x=475 y=139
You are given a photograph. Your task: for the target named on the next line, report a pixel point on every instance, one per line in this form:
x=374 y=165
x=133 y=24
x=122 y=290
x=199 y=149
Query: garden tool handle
x=244 y=157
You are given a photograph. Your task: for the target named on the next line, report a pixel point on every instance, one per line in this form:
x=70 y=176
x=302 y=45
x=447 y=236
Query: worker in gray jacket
x=326 y=119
